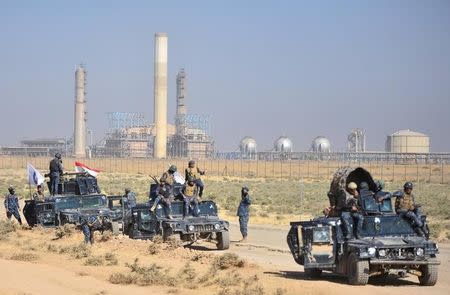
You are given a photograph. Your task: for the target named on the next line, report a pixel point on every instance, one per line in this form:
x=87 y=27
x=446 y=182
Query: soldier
x=168 y=176
x=352 y=212
x=194 y=172
x=190 y=195
x=12 y=205
x=91 y=224
x=406 y=207
x=39 y=194
x=56 y=171
x=164 y=196
x=244 y=212
x=381 y=195
x=129 y=198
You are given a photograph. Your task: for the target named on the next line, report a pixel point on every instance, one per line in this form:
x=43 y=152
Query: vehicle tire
x=358 y=270
x=167 y=232
x=223 y=240
x=313 y=273
x=429 y=274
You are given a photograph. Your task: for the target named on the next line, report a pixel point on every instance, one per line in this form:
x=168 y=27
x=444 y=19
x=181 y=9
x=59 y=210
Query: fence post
x=442 y=172
x=393 y=171
x=406 y=179
x=417 y=171
x=429 y=177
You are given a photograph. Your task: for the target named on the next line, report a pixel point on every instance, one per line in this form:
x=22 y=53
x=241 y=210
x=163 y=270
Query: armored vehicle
x=141 y=223
x=387 y=244
x=78 y=198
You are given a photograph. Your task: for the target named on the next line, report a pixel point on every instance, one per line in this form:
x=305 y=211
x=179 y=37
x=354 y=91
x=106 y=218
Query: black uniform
x=56 y=170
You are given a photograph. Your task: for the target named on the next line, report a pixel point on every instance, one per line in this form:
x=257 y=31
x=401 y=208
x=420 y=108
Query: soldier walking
x=406 y=207
x=56 y=171
x=194 y=172
x=243 y=212
x=12 y=205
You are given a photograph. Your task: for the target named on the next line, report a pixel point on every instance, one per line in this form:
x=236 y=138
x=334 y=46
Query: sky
x=258 y=68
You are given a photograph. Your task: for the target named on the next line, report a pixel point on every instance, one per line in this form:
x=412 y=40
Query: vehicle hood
x=387 y=242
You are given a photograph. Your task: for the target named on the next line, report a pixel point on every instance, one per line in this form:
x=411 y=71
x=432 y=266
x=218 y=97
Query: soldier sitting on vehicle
x=381 y=195
x=168 y=176
x=194 y=172
x=406 y=207
x=12 y=205
x=190 y=196
x=38 y=196
x=129 y=199
x=351 y=213
x=164 y=196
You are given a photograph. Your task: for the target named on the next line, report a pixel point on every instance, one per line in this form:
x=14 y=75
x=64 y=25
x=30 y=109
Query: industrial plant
x=132 y=135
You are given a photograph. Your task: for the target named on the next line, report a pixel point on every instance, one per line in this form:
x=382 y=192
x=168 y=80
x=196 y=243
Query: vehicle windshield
x=386 y=226
x=80 y=202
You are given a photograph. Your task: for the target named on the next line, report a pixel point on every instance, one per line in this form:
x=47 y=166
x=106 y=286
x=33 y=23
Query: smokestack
x=181 y=106
x=160 y=96
x=79 y=138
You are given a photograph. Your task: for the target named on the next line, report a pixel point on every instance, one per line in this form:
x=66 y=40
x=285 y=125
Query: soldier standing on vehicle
x=194 y=172
x=190 y=196
x=129 y=198
x=244 y=212
x=39 y=194
x=56 y=171
x=164 y=196
x=351 y=213
x=405 y=206
x=12 y=205
x=168 y=176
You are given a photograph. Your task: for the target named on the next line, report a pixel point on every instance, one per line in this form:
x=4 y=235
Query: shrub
x=154 y=248
x=7 y=226
x=95 y=261
x=228 y=260
x=111 y=259
x=106 y=236
x=121 y=279
x=65 y=230
x=24 y=256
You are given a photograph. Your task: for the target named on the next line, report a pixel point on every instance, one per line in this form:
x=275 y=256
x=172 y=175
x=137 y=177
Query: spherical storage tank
x=407 y=141
x=283 y=144
x=248 y=145
x=321 y=144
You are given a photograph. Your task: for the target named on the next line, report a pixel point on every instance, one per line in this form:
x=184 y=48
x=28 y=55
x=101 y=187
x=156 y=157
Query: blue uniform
x=56 y=170
x=12 y=207
x=244 y=212
x=129 y=200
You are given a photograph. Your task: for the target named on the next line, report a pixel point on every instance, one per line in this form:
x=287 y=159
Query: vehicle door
x=318 y=246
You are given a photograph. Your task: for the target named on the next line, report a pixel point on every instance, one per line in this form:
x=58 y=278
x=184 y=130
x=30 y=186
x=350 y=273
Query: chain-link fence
x=278 y=169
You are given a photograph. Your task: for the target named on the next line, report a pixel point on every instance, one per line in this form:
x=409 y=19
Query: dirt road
x=267 y=247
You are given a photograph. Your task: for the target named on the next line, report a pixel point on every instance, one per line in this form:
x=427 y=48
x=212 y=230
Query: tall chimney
x=160 y=96
x=181 y=104
x=79 y=138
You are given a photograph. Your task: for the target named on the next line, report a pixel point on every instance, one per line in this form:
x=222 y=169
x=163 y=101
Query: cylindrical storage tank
x=321 y=144
x=407 y=141
x=283 y=144
x=248 y=145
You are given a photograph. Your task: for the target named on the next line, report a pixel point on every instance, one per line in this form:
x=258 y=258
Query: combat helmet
x=408 y=185
x=172 y=169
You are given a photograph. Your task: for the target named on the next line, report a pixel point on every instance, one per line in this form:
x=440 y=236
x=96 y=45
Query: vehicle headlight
x=382 y=252
x=371 y=251
x=216 y=226
x=191 y=227
x=419 y=251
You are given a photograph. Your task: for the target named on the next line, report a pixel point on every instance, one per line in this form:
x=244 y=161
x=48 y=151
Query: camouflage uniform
x=129 y=199
x=56 y=170
x=89 y=225
x=190 y=194
x=164 y=196
x=38 y=197
x=168 y=178
x=195 y=173
x=352 y=218
x=244 y=213
x=12 y=207
x=405 y=206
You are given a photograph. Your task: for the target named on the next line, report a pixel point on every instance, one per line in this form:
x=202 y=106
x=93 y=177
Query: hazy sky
x=259 y=68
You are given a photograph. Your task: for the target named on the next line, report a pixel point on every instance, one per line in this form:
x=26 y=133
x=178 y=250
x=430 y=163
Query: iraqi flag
x=80 y=167
x=34 y=176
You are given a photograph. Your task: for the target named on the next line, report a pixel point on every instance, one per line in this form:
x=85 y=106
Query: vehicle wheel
x=429 y=274
x=223 y=240
x=167 y=232
x=358 y=270
x=313 y=273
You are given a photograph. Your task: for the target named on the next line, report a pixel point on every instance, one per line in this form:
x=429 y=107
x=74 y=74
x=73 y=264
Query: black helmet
x=58 y=155
x=173 y=168
x=190 y=179
x=245 y=189
x=11 y=189
x=408 y=185
x=191 y=162
x=363 y=185
x=127 y=190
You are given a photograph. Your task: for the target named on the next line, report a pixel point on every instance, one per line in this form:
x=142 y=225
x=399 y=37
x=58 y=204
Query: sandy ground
x=266 y=249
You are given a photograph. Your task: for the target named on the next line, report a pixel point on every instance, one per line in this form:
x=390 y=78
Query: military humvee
x=77 y=198
x=387 y=244
x=141 y=223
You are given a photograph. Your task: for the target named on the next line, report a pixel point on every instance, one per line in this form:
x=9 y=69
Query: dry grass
x=24 y=256
x=228 y=260
x=65 y=230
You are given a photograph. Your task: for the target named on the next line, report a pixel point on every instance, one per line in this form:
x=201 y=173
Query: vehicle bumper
x=403 y=262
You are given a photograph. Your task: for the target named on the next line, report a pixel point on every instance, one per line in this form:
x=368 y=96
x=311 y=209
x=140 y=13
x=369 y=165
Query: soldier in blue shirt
x=12 y=205
x=243 y=212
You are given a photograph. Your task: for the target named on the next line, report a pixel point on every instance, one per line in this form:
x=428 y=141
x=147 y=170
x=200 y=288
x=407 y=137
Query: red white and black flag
x=80 y=167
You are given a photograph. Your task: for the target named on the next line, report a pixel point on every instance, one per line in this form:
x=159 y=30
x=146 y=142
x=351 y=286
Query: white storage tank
x=283 y=144
x=248 y=146
x=321 y=144
x=407 y=141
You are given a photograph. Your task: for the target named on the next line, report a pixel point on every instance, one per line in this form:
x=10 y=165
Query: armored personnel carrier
x=387 y=244
x=78 y=197
x=141 y=223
